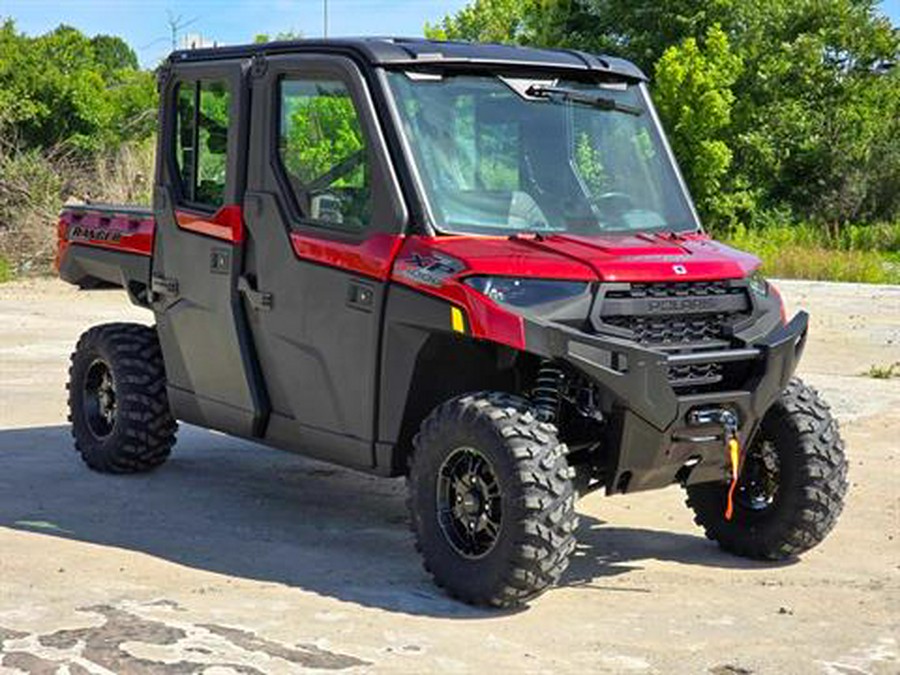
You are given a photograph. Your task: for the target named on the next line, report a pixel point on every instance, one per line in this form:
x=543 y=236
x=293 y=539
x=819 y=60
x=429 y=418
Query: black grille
x=678 y=318
x=675 y=290
x=695 y=375
x=672 y=331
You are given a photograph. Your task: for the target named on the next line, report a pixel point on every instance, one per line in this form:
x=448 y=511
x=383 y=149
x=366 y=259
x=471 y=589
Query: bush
x=30 y=190
x=862 y=253
x=77 y=118
x=35 y=185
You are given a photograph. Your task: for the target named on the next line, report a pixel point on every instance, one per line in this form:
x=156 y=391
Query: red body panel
x=484 y=317
x=227 y=223
x=632 y=258
x=647 y=258
x=628 y=258
x=373 y=257
x=132 y=232
x=505 y=257
x=125 y=232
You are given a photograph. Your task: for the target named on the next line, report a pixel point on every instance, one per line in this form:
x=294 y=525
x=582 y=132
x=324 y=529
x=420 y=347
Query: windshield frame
x=432 y=224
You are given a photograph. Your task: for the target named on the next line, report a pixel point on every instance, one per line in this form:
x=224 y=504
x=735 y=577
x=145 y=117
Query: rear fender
x=92 y=267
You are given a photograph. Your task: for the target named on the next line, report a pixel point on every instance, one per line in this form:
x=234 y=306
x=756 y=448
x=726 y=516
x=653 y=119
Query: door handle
x=161 y=287
x=259 y=300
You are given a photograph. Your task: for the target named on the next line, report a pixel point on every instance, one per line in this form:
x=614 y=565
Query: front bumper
x=655 y=443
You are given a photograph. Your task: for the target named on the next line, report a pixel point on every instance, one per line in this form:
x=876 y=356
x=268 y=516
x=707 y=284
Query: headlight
x=758 y=284
x=526 y=292
x=768 y=294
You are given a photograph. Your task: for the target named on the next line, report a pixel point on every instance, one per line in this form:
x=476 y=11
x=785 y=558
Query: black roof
x=397 y=51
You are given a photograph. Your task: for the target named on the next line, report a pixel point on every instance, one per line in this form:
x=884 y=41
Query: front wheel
x=491 y=500
x=792 y=483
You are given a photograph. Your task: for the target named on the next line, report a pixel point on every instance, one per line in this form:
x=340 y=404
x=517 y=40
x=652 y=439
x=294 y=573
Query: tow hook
x=729 y=423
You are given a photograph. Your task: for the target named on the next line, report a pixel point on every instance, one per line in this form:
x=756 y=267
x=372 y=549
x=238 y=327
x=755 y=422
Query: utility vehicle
x=476 y=266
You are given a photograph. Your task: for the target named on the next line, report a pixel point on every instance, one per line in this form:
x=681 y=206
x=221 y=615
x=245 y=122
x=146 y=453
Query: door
x=324 y=217
x=198 y=250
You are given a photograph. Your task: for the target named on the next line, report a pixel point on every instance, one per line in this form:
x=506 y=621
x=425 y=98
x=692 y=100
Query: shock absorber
x=547 y=393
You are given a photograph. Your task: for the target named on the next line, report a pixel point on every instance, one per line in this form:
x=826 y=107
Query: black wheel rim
x=757 y=489
x=100 y=404
x=469 y=503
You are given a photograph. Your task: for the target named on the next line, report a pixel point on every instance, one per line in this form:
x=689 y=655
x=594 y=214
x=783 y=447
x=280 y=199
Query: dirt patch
x=235 y=556
x=107 y=646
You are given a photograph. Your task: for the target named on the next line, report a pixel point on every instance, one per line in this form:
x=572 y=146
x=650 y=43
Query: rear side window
x=201 y=141
x=322 y=150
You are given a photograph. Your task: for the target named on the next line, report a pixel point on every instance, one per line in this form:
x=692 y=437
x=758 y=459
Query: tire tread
x=547 y=520
x=149 y=430
x=822 y=472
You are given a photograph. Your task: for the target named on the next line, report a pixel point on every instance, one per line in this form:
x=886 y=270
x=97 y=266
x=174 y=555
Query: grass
x=860 y=253
x=33 y=189
x=883 y=372
x=6 y=273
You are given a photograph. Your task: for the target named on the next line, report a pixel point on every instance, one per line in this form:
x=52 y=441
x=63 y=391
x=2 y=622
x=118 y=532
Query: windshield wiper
x=577 y=96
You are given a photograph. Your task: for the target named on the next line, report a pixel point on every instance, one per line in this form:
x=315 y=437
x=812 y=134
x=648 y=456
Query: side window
x=322 y=150
x=201 y=141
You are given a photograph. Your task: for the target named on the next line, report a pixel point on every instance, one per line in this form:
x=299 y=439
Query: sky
x=144 y=23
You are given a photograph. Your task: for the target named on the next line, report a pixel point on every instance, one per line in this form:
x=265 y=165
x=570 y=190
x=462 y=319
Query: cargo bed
x=107 y=244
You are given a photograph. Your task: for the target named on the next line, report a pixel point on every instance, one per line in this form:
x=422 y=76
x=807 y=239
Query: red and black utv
x=476 y=266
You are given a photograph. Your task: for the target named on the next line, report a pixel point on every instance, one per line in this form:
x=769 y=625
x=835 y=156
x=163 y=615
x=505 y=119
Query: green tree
x=693 y=91
x=65 y=90
x=485 y=21
x=262 y=38
x=113 y=54
x=324 y=131
x=813 y=105
x=642 y=31
x=539 y=23
x=806 y=124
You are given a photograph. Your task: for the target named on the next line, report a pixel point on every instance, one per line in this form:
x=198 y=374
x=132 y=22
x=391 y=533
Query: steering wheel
x=617 y=202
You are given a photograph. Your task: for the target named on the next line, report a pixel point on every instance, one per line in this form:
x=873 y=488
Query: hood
x=625 y=257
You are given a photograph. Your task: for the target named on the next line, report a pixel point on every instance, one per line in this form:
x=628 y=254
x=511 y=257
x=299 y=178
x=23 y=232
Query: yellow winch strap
x=734 y=452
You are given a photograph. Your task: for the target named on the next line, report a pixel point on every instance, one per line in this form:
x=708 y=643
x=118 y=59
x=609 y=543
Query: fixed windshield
x=503 y=155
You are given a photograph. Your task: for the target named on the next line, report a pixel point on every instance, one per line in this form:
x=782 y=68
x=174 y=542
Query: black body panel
x=417 y=52
x=112 y=209
x=317 y=344
x=652 y=438
x=212 y=376
x=316 y=353
x=84 y=264
x=426 y=362
x=411 y=318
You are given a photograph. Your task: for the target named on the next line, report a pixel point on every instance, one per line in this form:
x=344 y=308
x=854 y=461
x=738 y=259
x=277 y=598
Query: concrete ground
x=235 y=558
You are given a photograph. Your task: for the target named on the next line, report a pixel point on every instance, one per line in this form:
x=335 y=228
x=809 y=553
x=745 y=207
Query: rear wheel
x=491 y=500
x=117 y=399
x=792 y=484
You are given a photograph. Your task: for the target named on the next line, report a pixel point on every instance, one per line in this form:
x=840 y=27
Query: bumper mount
x=656 y=440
